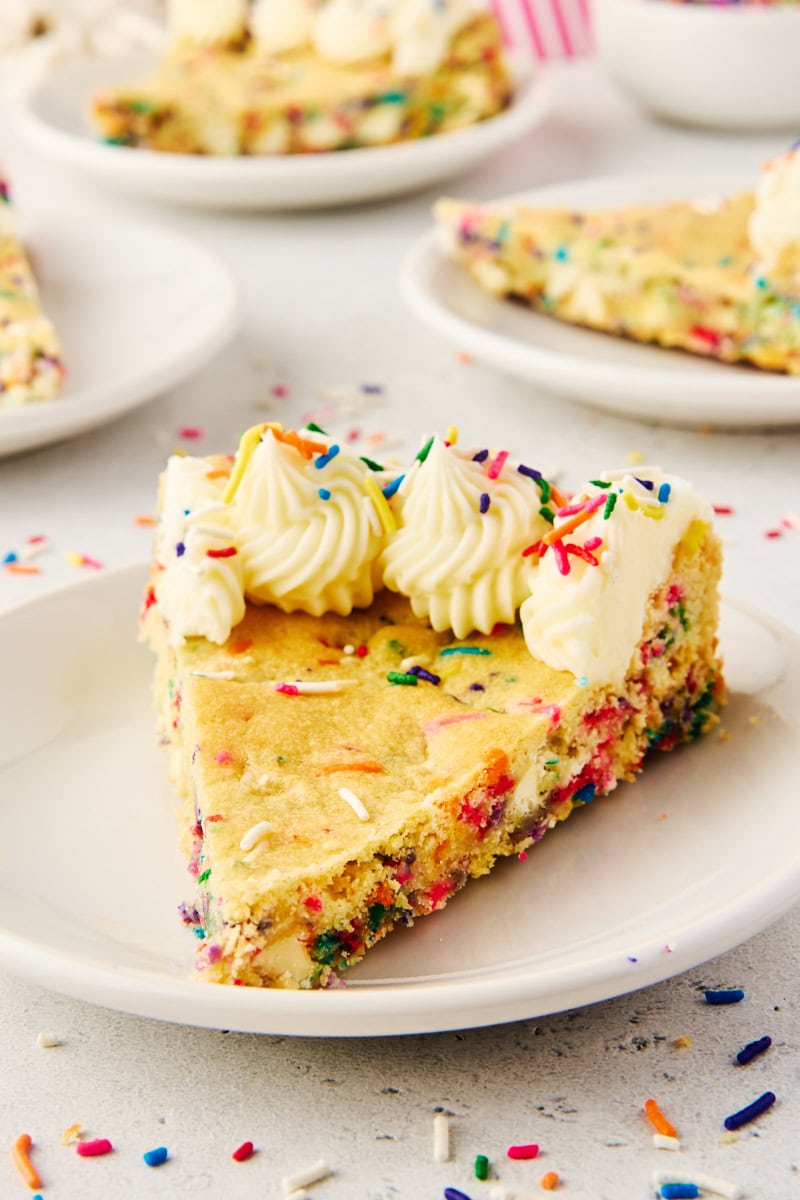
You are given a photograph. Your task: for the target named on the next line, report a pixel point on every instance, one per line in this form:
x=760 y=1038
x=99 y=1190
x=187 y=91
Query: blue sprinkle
x=796 y=311
x=392 y=487
x=464 y=650
x=679 y=1191
x=180 y=549
x=586 y=794
x=372 y=389
x=428 y=676
x=663 y=492
x=324 y=459
x=186 y=512
x=632 y=958
x=646 y=483
x=531 y=472
x=10 y=557
x=561 y=254
x=750 y=1112
x=485 y=502
x=481 y=456
x=324 y=494
x=154 y=1158
x=752 y=1049
x=761 y=283
x=583 y=681
x=724 y=995
x=454 y=1194
x=477 y=687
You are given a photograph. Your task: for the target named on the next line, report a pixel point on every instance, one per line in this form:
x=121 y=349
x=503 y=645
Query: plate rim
x=43 y=422
x=500 y=349
x=402 y=1008
x=531 y=102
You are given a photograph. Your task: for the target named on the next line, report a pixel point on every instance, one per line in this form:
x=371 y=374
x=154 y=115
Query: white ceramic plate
x=647 y=382
x=54 y=118
x=137 y=309
x=679 y=867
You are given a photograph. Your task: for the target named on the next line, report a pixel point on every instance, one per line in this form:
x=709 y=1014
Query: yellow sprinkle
x=694 y=536
x=754 y=720
x=74 y=559
x=247 y=444
x=385 y=514
x=71 y=1134
x=724 y=735
x=631 y=502
x=451 y=435
x=684 y=1042
x=635 y=457
x=655 y=511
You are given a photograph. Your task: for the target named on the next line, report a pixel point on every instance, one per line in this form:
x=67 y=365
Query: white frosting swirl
x=282 y=25
x=201 y=596
x=775 y=222
x=208 y=22
x=590 y=621
x=301 y=551
x=348 y=31
x=461 y=568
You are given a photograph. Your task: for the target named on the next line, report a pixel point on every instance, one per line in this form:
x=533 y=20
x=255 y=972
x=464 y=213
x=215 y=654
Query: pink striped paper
x=546 y=28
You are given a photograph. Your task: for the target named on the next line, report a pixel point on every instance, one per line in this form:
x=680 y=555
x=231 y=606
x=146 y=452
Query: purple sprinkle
x=531 y=472
x=646 y=483
x=750 y=1111
x=454 y=1194
x=180 y=549
x=477 y=687
x=752 y=1049
x=214 y=953
x=372 y=389
x=485 y=502
x=428 y=676
x=481 y=456
x=632 y=958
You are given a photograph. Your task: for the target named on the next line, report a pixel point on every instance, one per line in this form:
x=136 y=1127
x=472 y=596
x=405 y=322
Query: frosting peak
x=775 y=223
x=464 y=521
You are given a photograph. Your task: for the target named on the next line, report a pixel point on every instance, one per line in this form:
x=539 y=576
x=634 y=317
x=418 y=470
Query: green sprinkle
x=425 y=451
x=373 y=466
x=315 y=428
x=548 y=514
x=397 y=647
x=8 y=295
x=202 y=878
x=375 y=915
x=281 y=760
x=544 y=489
x=464 y=650
x=141 y=106
x=396 y=97
x=401 y=677
x=609 y=505
x=116 y=141
x=481 y=1166
x=599 y=483
x=552 y=762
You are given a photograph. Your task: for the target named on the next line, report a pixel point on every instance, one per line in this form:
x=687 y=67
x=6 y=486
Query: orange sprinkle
x=566 y=527
x=658 y=1120
x=306 y=446
x=549 y=1180
x=240 y=647
x=218 y=473
x=20 y=1156
x=368 y=766
x=558 y=497
x=144 y=519
x=17 y=568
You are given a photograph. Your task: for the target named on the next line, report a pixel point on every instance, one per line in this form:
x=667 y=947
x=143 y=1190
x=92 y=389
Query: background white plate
x=138 y=310
x=701 y=853
x=646 y=382
x=54 y=117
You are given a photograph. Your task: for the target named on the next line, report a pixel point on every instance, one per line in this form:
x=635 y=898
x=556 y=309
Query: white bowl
x=729 y=66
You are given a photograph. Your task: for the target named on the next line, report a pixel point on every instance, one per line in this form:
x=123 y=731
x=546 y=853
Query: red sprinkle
x=215 y=817
x=191 y=433
x=497 y=464
x=280 y=390
x=530 y=1151
x=224 y=756
x=94 y=1149
x=773 y=533
x=362 y=651
x=286 y=689
x=723 y=510
x=314 y=903
x=240 y=647
x=226 y=552
x=244 y=1152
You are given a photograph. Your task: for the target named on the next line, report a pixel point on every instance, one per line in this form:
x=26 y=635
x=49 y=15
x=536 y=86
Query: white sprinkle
x=254 y=835
x=318 y=688
x=352 y=799
x=441 y=1137
x=48 y=1041
x=32 y=550
x=348 y=649
x=705 y=1182
x=498 y=1192
x=662 y=1142
x=293 y=1183
x=213 y=674
x=413 y=660
x=262 y=781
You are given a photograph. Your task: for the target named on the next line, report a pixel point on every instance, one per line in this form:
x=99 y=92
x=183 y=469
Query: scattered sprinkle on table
x=699 y=1180
x=95 y=1148
x=71 y=1134
x=455 y=1194
x=155 y=1158
x=724 y=995
x=48 y=1041
x=752 y=1049
x=750 y=1111
x=523 y=1152
x=21 y=1158
x=441 y=1137
x=662 y=1142
x=481 y=1166
x=191 y=433
x=549 y=1181
x=243 y=1152
x=658 y=1120
x=679 y=1191
x=313 y=1174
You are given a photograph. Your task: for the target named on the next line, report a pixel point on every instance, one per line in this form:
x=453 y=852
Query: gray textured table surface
x=322 y=309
